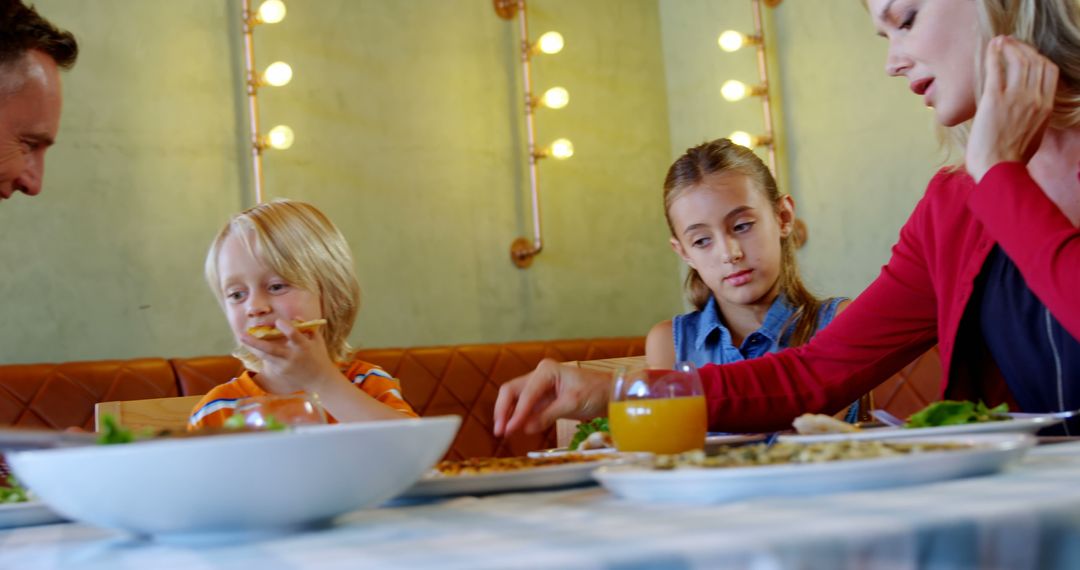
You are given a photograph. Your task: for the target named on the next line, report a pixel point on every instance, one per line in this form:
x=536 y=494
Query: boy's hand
x=298 y=361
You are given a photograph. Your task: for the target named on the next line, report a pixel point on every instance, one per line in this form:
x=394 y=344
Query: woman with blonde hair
x=987 y=267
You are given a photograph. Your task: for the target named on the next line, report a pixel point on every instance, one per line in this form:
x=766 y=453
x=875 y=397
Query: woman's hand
x=299 y=361
x=534 y=401
x=1015 y=106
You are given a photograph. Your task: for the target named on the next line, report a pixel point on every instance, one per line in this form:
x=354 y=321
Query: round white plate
x=703 y=485
x=563 y=451
x=27 y=514
x=710 y=440
x=1025 y=425
x=531 y=479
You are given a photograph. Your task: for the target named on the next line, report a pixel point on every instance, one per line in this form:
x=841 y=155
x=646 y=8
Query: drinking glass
x=271 y=410
x=660 y=411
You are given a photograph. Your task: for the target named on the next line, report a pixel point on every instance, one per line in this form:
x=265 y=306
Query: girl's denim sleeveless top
x=702 y=338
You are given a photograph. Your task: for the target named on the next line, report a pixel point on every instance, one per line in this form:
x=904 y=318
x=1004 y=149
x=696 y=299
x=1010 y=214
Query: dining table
x=1026 y=516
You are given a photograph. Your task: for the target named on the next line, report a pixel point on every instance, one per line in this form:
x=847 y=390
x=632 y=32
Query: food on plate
x=483 y=465
x=952 y=412
x=596 y=440
x=13 y=492
x=585 y=438
x=266 y=332
x=789 y=453
x=813 y=424
x=114 y=433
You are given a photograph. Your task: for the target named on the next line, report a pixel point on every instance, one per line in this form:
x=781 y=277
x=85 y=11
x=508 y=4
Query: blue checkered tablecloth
x=1026 y=517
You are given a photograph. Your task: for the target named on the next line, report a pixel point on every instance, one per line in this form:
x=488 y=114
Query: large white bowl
x=236 y=484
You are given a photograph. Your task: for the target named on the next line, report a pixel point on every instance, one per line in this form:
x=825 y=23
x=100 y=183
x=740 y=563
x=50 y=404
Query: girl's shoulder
x=660 y=345
x=830 y=308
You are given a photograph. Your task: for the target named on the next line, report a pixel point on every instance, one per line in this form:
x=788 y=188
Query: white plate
x=710 y=440
x=242 y=484
x=563 y=451
x=27 y=514
x=721 y=484
x=535 y=478
x=1026 y=425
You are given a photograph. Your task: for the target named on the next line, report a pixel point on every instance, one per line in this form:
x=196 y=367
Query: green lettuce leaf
x=952 y=412
x=586 y=428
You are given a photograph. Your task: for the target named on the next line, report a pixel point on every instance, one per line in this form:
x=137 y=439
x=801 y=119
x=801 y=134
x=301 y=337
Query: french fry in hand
x=271 y=333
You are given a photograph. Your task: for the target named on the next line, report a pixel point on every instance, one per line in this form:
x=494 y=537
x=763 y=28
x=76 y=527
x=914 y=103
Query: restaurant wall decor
x=522 y=250
x=734 y=90
x=276 y=74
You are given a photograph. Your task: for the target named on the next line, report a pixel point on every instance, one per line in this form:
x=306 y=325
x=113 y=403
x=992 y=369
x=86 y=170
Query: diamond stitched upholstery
x=58 y=396
x=913 y=388
x=460 y=380
x=196 y=376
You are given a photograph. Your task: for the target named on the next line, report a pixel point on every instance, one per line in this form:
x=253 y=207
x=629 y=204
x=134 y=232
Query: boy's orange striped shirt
x=218 y=405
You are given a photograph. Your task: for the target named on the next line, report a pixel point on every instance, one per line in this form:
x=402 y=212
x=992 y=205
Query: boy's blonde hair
x=302 y=245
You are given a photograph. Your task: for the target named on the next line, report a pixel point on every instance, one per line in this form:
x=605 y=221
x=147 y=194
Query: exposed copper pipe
x=522 y=251
x=763 y=75
x=252 y=96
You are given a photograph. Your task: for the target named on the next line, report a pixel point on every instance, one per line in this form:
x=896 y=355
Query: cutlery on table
x=886 y=418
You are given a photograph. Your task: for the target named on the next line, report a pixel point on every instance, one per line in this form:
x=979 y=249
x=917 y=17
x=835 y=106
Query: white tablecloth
x=1026 y=517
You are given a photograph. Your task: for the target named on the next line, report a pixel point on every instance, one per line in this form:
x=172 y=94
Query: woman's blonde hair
x=1053 y=28
x=302 y=245
x=723 y=156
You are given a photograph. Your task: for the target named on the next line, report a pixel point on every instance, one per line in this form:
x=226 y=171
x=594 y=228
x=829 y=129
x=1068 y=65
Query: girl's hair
x=302 y=245
x=723 y=156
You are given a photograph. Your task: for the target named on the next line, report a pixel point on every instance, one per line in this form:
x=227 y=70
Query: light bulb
x=550 y=42
x=277 y=74
x=742 y=138
x=271 y=12
x=731 y=40
x=734 y=90
x=561 y=149
x=280 y=137
x=555 y=98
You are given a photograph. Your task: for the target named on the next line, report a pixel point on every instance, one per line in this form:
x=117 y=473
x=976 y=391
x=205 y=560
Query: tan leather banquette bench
x=462 y=380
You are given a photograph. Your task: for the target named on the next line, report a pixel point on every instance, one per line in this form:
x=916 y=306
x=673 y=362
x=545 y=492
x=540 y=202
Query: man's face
x=30 y=104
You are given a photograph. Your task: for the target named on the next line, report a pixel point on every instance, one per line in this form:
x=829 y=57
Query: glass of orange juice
x=660 y=411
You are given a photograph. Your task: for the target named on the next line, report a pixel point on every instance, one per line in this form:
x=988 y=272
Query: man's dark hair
x=22 y=30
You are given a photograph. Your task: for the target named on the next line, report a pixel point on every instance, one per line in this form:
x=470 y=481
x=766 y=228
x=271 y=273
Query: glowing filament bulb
x=561 y=149
x=277 y=74
x=555 y=98
x=742 y=138
x=733 y=90
x=271 y=12
x=731 y=40
x=550 y=42
x=280 y=137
